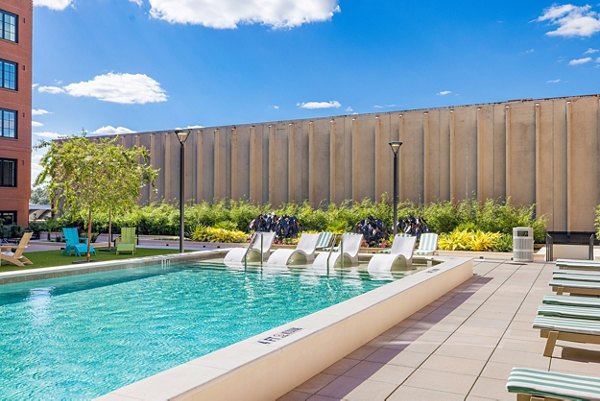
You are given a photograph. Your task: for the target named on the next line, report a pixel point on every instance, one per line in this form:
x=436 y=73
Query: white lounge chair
x=253 y=252
x=399 y=258
x=566 y=329
x=533 y=384
x=302 y=255
x=427 y=244
x=350 y=246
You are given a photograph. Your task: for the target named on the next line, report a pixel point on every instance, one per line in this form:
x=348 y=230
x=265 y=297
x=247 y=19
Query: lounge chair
x=74 y=244
x=399 y=258
x=302 y=255
x=571 y=311
x=581 y=275
x=253 y=252
x=575 y=287
x=571 y=300
x=324 y=241
x=127 y=241
x=346 y=254
x=14 y=254
x=427 y=244
x=539 y=385
x=578 y=264
x=566 y=329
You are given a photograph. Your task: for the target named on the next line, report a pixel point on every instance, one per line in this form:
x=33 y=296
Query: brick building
x=15 y=110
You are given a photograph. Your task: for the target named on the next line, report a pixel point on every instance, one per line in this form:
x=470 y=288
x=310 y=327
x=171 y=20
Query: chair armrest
x=83 y=240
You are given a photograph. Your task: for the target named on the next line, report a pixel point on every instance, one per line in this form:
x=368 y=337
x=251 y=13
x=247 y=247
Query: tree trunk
x=89 y=235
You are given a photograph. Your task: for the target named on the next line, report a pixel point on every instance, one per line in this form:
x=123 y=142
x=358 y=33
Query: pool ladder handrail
x=252 y=239
x=341 y=245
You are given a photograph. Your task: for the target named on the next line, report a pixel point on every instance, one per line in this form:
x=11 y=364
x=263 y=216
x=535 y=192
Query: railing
x=333 y=247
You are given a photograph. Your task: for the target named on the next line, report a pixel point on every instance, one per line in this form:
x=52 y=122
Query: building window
x=8 y=173
x=9 y=75
x=8 y=124
x=8 y=218
x=8 y=26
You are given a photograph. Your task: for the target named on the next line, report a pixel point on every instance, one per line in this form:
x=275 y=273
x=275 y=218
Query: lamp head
x=182 y=135
x=395 y=145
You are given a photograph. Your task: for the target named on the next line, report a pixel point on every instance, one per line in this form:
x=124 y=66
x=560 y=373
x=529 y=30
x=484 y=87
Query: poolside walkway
x=461 y=347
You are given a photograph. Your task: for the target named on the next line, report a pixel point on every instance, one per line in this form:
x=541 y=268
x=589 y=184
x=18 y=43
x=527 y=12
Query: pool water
x=82 y=336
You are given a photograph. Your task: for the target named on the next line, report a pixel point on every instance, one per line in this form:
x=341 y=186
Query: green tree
x=39 y=195
x=85 y=176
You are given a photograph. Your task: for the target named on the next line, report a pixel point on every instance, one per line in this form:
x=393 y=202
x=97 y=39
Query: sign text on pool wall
x=278 y=336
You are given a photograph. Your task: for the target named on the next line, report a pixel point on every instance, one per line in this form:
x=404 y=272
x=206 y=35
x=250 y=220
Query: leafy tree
x=39 y=195
x=87 y=175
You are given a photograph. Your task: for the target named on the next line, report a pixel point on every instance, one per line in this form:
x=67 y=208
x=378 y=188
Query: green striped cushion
x=324 y=240
x=579 y=312
x=580 y=326
x=578 y=262
x=559 y=282
x=563 y=272
x=427 y=244
x=551 y=384
x=579 y=276
x=571 y=300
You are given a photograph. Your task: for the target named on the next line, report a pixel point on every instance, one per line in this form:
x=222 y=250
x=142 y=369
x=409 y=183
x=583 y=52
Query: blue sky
x=144 y=65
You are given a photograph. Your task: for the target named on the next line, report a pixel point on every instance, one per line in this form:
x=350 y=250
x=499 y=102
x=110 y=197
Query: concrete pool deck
x=460 y=347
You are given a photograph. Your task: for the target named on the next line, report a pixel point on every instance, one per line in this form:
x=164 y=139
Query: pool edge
x=274 y=362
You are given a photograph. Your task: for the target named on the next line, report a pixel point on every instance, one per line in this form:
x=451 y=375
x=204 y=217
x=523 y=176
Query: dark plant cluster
x=284 y=227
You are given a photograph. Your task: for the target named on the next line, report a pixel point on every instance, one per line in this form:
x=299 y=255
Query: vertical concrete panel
x=463 y=180
x=222 y=164
x=337 y=163
x=278 y=164
x=432 y=156
x=189 y=168
x=485 y=153
x=520 y=153
x=363 y=158
x=297 y=162
x=411 y=157
x=348 y=124
x=171 y=170
x=383 y=157
x=318 y=154
x=443 y=123
x=582 y=159
x=499 y=151
x=559 y=157
x=256 y=164
x=544 y=163
x=205 y=164
x=240 y=162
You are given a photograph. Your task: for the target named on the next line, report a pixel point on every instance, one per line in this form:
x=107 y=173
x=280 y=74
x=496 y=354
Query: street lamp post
x=182 y=136
x=395 y=145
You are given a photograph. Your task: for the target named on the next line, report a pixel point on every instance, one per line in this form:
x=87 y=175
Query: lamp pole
x=395 y=145
x=182 y=136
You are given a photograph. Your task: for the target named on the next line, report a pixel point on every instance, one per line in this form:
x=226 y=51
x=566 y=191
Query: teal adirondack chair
x=74 y=244
x=126 y=242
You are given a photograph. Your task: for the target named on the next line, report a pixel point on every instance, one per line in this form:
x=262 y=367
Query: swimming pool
x=82 y=336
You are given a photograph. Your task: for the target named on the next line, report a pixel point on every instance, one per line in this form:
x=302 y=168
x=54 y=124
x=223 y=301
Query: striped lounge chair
x=539 y=385
x=324 y=241
x=563 y=285
x=581 y=275
x=578 y=264
x=566 y=329
x=572 y=301
x=572 y=311
x=427 y=244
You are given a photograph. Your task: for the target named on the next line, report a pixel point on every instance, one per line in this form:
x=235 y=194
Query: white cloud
x=275 y=106
x=110 y=130
x=53 y=90
x=349 y=109
x=48 y=135
x=443 y=93
x=579 y=61
x=332 y=104
x=591 y=51
x=228 y=14
x=57 y=5
x=115 y=88
x=571 y=20
x=553 y=81
x=36 y=124
x=39 y=112
x=529 y=51
x=138 y=2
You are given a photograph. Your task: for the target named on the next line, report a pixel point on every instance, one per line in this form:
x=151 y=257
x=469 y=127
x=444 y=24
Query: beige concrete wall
x=534 y=151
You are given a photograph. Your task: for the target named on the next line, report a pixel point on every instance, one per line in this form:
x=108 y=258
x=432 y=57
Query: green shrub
x=211 y=234
x=469 y=240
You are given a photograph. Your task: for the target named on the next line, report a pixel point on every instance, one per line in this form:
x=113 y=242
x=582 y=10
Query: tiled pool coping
x=272 y=363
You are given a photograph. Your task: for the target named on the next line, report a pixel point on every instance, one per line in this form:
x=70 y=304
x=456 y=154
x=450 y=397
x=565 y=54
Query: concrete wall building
x=543 y=151
x=15 y=110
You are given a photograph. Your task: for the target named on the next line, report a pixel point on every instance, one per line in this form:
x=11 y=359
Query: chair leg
x=551 y=343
